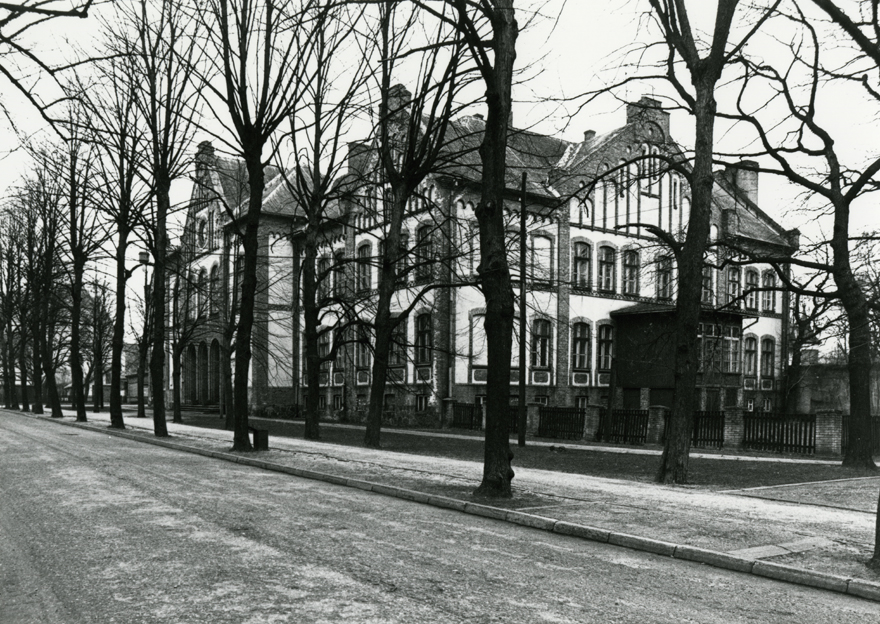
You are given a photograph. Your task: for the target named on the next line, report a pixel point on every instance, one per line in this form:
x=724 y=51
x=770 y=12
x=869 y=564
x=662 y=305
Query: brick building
x=600 y=286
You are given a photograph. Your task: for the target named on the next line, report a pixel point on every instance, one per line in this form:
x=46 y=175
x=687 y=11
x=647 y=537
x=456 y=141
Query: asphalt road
x=95 y=528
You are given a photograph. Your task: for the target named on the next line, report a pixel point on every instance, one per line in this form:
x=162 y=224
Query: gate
x=623 y=426
x=708 y=430
x=467 y=416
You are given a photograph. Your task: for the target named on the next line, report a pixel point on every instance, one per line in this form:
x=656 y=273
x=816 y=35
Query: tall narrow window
x=580 y=346
x=397 y=346
x=202 y=292
x=664 y=277
x=750 y=360
x=708 y=292
x=768 y=353
x=214 y=291
x=424 y=339
x=324 y=340
x=339 y=273
x=542 y=259
x=479 y=352
x=730 y=350
x=605 y=344
x=751 y=289
x=424 y=254
x=362 y=348
x=581 y=269
x=768 y=297
x=630 y=272
x=323 y=277
x=364 y=268
x=606 y=269
x=402 y=259
x=733 y=285
x=541 y=343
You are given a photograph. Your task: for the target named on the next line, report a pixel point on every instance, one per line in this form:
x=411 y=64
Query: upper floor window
x=768 y=297
x=730 y=350
x=323 y=277
x=733 y=285
x=362 y=347
x=607 y=258
x=541 y=333
x=214 y=291
x=664 y=277
x=768 y=356
x=708 y=292
x=202 y=292
x=339 y=273
x=479 y=353
x=364 y=268
x=580 y=346
x=630 y=272
x=397 y=345
x=750 y=359
x=424 y=253
x=752 y=289
x=605 y=345
x=580 y=265
x=542 y=258
x=324 y=342
x=424 y=339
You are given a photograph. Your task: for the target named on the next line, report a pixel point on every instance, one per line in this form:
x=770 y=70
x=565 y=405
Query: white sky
x=570 y=51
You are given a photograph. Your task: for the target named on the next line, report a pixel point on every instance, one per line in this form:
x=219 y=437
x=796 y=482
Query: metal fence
x=780 y=433
x=566 y=423
x=708 y=430
x=467 y=416
x=623 y=426
x=875 y=433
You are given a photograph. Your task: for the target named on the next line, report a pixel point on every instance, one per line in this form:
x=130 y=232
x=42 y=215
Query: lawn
x=716 y=474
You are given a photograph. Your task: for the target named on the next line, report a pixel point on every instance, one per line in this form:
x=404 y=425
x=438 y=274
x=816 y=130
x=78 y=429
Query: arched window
x=201 y=292
x=664 y=277
x=607 y=259
x=397 y=345
x=645 y=180
x=479 y=352
x=751 y=289
x=322 y=277
x=542 y=259
x=424 y=339
x=362 y=347
x=339 y=273
x=324 y=346
x=214 y=291
x=630 y=272
x=605 y=344
x=580 y=346
x=424 y=254
x=768 y=356
x=750 y=360
x=402 y=259
x=364 y=269
x=581 y=269
x=768 y=297
x=541 y=334
x=733 y=285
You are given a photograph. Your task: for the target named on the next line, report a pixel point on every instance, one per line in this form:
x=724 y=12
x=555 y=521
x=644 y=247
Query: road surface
x=95 y=528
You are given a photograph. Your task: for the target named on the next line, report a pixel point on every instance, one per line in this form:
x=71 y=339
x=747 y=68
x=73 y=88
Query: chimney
x=204 y=156
x=744 y=175
x=588 y=135
x=648 y=109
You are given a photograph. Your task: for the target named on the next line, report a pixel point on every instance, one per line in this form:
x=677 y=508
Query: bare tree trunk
x=157 y=358
x=493 y=269
x=49 y=371
x=226 y=384
x=25 y=404
x=310 y=332
x=118 y=341
x=250 y=246
x=176 y=352
x=141 y=372
x=37 y=357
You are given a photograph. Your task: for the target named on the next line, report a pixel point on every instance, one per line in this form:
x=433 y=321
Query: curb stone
x=861 y=588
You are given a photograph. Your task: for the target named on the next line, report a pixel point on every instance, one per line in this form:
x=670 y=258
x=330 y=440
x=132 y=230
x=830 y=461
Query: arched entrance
x=189 y=376
x=203 y=374
x=214 y=368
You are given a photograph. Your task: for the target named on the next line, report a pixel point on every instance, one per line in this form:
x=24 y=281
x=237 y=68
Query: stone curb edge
x=868 y=590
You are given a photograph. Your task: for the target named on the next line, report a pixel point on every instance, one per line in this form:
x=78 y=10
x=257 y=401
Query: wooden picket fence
x=467 y=416
x=708 y=430
x=623 y=426
x=565 y=423
x=779 y=433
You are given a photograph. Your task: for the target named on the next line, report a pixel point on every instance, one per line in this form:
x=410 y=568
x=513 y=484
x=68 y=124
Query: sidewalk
x=811 y=544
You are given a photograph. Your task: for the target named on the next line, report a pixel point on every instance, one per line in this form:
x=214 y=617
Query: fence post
x=533 y=415
x=656 y=424
x=734 y=428
x=829 y=433
x=591 y=422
